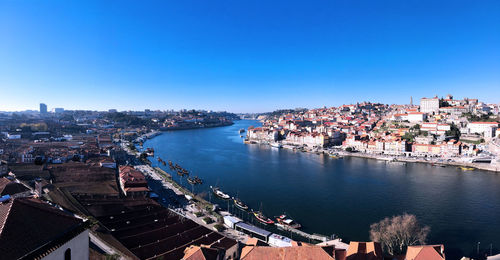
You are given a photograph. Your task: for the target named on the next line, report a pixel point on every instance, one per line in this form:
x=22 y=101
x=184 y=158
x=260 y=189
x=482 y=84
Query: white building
x=429 y=105
x=416 y=117
x=488 y=129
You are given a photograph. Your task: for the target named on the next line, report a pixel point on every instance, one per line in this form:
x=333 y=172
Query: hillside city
x=79 y=184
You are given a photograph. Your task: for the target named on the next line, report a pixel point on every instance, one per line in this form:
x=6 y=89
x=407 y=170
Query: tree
x=443 y=103
x=397 y=233
x=454 y=131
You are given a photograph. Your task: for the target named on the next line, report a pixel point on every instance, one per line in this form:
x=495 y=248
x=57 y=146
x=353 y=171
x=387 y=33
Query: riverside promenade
x=191 y=208
x=481 y=166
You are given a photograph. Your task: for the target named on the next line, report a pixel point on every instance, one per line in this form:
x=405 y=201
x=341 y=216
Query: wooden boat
x=191 y=181
x=240 y=204
x=219 y=193
x=262 y=219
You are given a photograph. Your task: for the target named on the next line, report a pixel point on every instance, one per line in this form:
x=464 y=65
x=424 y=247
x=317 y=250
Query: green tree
x=454 y=131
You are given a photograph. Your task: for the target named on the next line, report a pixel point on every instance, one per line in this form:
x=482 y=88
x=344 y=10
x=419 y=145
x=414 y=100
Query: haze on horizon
x=245 y=56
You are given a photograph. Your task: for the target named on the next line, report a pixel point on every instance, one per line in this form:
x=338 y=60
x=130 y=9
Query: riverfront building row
x=438 y=127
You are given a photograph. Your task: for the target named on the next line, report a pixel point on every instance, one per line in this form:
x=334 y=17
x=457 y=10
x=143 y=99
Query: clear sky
x=245 y=56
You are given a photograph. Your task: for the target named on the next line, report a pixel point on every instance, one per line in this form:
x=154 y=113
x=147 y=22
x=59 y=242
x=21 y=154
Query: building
x=488 y=129
x=132 y=182
x=429 y=105
x=430 y=252
x=33 y=229
x=43 y=108
x=416 y=117
x=58 y=110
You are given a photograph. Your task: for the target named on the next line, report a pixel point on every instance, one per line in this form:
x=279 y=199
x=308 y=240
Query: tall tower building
x=43 y=108
x=411 y=100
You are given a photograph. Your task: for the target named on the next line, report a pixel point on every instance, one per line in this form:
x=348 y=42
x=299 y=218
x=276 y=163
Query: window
x=67 y=254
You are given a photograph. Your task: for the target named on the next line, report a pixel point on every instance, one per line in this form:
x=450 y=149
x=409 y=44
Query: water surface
x=342 y=197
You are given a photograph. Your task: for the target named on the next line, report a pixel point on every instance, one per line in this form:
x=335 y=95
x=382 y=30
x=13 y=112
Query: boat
x=240 y=204
x=276 y=145
x=198 y=180
x=242 y=130
x=164 y=163
x=192 y=181
x=285 y=222
x=219 y=193
x=463 y=168
x=262 y=219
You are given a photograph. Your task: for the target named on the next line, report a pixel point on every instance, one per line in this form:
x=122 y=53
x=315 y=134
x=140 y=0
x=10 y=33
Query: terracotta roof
x=28 y=224
x=304 y=252
x=200 y=253
x=430 y=252
x=364 y=251
x=486 y=123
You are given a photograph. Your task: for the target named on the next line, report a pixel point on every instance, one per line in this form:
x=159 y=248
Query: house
x=33 y=229
x=132 y=182
x=415 y=117
x=107 y=162
x=364 y=251
x=13 y=189
x=202 y=252
x=427 y=252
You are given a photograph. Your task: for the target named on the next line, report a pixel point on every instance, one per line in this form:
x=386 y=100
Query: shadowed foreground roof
x=27 y=224
x=8 y=187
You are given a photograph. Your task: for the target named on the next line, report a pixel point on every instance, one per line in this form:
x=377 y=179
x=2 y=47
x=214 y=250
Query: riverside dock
x=301 y=233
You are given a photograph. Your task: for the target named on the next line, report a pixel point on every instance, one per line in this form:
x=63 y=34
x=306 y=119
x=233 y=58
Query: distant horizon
x=416 y=101
x=245 y=55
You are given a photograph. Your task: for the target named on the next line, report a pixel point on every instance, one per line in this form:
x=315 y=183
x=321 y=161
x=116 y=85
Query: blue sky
x=244 y=56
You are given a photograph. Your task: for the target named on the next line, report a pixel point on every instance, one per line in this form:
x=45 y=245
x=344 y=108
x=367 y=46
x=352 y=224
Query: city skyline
x=245 y=57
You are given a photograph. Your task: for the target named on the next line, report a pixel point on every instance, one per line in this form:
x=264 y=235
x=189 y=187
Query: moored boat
x=276 y=145
x=240 y=204
x=262 y=219
x=191 y=181
x=284 y=222
x=219 y=193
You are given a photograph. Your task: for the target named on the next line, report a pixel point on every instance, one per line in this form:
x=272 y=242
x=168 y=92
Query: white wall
x=79 y=248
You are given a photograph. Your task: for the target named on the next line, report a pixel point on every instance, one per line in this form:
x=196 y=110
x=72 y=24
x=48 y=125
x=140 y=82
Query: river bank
x=479 y=166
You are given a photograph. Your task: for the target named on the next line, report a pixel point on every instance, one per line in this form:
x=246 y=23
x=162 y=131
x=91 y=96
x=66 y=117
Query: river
x=340 y=196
